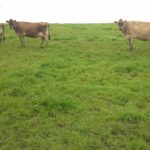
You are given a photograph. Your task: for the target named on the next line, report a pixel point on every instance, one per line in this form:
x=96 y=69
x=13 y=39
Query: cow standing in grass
x=28 y=29
x=134 y=30
x=2 y=32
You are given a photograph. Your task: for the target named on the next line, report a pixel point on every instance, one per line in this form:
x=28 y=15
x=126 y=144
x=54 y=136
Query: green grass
x=85 y=91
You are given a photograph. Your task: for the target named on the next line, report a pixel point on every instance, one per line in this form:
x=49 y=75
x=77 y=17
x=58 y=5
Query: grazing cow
x=28 y=29
x=134 y=30
x=2 y=32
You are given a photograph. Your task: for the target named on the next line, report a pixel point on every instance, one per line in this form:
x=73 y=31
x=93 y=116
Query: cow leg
x=130 y=43
x=46 y=36
x=42 y=41
x=46 y=39
x=21 y=40
x=3 y=37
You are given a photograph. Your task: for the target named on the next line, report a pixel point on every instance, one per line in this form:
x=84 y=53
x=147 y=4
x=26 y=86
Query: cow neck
x=124 y=28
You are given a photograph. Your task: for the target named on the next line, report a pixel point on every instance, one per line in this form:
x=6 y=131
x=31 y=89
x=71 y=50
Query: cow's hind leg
x=20 y=40
x=1 y=39
x=42 y=41
x=130 y=43
x=46 y=39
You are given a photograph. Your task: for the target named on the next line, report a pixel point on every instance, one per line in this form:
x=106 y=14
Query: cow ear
x=125 y=21
x=116 y=22
x=7 y=21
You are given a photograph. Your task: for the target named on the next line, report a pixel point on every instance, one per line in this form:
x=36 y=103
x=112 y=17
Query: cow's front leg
x=21 y=40
x=130 y=43
x=3 y=37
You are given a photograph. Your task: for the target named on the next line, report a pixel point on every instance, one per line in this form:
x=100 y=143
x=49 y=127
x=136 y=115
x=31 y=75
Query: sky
x=74 y=11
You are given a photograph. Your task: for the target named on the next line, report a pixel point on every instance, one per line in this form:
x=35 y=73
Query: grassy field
x=85 y=91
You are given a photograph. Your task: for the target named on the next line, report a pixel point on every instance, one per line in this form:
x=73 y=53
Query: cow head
x=11 y=23
x=120 y=23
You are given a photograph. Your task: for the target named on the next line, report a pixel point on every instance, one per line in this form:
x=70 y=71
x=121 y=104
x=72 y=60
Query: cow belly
x=31 y=35
x=40 y=34
x=141 y=33
x=143 y=36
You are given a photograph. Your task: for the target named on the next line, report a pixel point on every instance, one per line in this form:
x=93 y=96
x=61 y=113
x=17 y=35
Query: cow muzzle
x=120 y=27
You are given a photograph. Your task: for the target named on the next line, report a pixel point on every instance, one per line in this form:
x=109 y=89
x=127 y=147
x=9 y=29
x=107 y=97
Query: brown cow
x=2 y=32
x=134 y=30
x=28 y=29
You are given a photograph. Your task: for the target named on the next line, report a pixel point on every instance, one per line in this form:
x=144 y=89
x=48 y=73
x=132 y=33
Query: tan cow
x=2 y=32
x=134 y=30
x=28 y=29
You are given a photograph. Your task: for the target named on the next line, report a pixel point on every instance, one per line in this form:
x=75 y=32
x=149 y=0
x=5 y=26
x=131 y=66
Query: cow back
x=137 y=29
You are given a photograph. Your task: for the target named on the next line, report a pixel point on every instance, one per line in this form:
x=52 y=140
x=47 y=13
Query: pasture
x=85 y=91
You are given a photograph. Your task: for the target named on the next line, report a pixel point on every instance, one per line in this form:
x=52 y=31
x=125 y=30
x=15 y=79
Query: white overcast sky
x=74 y=11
